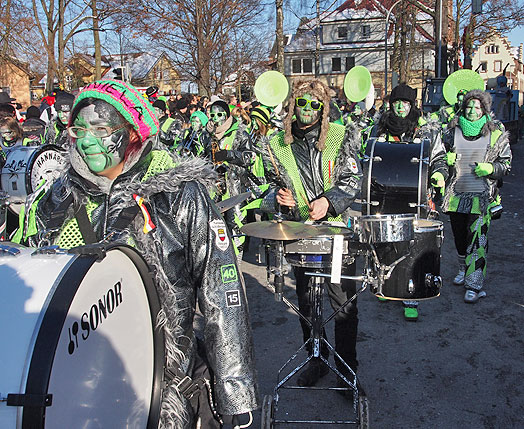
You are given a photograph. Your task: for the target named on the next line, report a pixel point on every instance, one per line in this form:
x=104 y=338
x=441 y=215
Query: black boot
x=314 y=371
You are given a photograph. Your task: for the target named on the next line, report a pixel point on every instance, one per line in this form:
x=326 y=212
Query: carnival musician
x=319 y=178
x=113 y=169
x=478 y=156
x=403 y=123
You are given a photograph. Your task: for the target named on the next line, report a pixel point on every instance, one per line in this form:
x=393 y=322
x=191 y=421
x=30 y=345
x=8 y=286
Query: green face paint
x=401 y=108
x=63 y=116
x=7 y=135
x=306 y=115
x=101 y=153
x=218 y=115
x=473 y=110
x=195 y=123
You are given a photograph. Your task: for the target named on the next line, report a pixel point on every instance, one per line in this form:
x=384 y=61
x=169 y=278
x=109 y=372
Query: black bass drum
x=79 y=344
x=395 y=177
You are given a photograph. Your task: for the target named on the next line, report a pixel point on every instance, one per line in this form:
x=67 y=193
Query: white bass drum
x=79 y=344
x=24 y=169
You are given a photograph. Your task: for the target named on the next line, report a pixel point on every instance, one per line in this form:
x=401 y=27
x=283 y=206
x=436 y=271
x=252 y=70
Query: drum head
x=96 y=350
x=25 y=169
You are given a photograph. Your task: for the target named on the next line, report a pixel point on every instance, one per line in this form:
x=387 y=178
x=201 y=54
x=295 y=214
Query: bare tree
x=202 y=36
x=18 y=38
x=54 y=29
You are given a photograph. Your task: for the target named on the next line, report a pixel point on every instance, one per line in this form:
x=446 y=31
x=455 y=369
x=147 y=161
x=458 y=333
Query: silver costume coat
x=190 y=251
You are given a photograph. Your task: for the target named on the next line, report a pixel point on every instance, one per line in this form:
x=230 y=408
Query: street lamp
x=386 y=48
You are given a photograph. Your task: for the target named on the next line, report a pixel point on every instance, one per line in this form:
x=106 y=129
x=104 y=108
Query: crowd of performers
x=182 y=155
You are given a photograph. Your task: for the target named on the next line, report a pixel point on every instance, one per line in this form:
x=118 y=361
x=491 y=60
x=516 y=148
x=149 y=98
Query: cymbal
x=225 y=205
x=333 y=230
x=284 y=230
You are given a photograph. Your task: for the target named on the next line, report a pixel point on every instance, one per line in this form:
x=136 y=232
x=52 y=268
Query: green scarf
x=472 y=128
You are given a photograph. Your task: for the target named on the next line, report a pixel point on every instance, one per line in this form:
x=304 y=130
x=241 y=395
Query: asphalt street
x=459 y=366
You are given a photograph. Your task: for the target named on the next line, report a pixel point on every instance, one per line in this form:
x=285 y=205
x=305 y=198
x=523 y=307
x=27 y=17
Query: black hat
x=403 y=92
x=215 y=101
x=182 y=103
x=152 y=90
x=5 y=98
x=32 y=112
x=64 y=102
x=160 y=104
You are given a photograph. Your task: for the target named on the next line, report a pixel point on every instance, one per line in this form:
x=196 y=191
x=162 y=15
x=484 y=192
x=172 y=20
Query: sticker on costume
x=228 y=273
x=233 y=298
x=353 y=164
x=221 y=239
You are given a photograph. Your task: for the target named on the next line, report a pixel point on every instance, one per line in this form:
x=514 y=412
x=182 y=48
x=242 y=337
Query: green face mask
x=100 y=136
x=306 y=115
x=218 y=115
x=473 y=110
x=195 y=123
x=401 y=108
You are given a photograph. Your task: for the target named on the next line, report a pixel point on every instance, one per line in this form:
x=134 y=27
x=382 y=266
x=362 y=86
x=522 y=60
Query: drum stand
x=317 y=324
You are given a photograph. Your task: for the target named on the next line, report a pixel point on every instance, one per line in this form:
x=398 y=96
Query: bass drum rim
x=41 y=149
x=423 y=174
x=39 y=370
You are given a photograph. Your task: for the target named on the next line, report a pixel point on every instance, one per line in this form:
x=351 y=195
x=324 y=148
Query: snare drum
x=317 y=252
x=79 y=344
x=24 y=169
x=395 y=177
x=416 y=277
x=393 y=228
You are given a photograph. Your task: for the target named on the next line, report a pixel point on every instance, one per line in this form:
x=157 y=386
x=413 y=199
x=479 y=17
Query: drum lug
x=8 y=250
x=28 y=400
x=411 y=286
x=416 y=160
x=433 y=281
x=49 y=250
x=90 y=250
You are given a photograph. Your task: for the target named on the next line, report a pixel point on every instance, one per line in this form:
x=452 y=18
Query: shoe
x=471 y=296
x=460 y=278
x=410 y=314
x=315 y=370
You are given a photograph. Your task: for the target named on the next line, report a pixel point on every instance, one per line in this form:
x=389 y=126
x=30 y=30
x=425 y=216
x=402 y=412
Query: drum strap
x=86 y=229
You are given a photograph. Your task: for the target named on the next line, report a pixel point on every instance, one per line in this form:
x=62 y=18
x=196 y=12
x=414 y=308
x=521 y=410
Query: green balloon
x=461 y=79
x=271 y=88
x=357 y=83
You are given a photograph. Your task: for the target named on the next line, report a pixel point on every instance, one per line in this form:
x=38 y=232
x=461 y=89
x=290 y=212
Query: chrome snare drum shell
x=386 y=228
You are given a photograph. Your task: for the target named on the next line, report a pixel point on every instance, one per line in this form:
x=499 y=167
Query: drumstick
x=306 y=200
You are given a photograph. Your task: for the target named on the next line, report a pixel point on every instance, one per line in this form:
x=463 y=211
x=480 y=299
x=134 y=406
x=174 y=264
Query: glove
x=483 y=168
x=451 y=158
x=437 y=181
x=221 y=156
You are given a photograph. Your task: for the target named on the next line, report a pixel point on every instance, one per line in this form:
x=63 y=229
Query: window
x=307 y=65
x=492 y=49
x=484 y=66
x=304 y=65
x=336 y=64
x=296 y=66
x=350 y=63
x=365 y=31
x=342 y=32
x=497 y=66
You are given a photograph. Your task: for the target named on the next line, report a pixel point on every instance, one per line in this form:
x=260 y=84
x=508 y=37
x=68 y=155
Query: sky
x=516 y=37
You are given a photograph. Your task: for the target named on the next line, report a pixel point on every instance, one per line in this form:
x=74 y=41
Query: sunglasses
x=98 y=131
x=303 y=102
x=217 y=114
